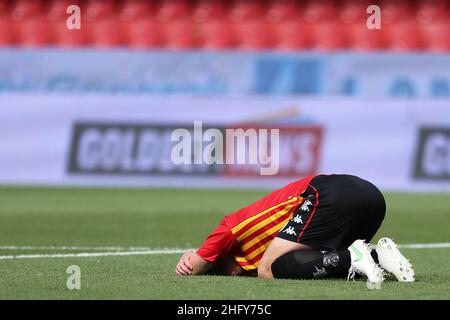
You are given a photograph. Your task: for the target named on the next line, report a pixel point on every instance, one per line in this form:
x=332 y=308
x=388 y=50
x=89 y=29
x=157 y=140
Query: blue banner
x=224 y=74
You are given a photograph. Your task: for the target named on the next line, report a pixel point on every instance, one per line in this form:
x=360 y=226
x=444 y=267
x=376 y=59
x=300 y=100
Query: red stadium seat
x=93 y=10
x=4 y=8
x=255 y=34
x=7 y=34
x=208 y=10
x=57 y=9
x=106 y=33
x=402 y=36
x=395 y=11
x=244 y=10
x=282 y=10
x=144 y=33
x=360 y=38
x=57 y=17
x=171 y=10
x=222 y=24
x=329 y=36
x=135 y=9
x=34 y=32
x=24 y=9
x=292 y=35
x=179 y=35
x=216 y=35
x=319 y=10
x=432 y=10
x=436 y=36
x=352 y=11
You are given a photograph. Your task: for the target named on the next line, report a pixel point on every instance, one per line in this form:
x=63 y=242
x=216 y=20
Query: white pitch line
x=424 y=245
x=92 y=254
x=122 y=251
x=75 y=248
x=113 y=248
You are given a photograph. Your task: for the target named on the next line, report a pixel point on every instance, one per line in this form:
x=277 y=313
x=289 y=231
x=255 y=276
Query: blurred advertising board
x=224 y=74
x=398 y=144
x=432 y=158
x=145 y=149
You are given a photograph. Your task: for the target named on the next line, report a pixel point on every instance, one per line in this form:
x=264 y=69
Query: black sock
x=374 y=255
x=303 y=264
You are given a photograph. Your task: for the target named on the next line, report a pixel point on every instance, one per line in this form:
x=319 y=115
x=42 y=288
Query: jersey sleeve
x=218 y=244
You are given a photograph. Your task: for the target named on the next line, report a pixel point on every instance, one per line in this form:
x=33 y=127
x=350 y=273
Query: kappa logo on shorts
x=305 y=205
x=290 y=231
x=320 y=273
x=298 y=219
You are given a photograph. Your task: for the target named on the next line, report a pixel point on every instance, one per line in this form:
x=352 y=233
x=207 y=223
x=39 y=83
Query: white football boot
x=363 y=263
x=393 y=262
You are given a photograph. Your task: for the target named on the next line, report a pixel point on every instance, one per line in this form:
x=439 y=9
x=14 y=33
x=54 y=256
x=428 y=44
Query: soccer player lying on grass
x=311 y=228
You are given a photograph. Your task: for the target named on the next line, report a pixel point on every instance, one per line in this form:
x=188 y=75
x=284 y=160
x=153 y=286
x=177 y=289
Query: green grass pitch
x=172 y=218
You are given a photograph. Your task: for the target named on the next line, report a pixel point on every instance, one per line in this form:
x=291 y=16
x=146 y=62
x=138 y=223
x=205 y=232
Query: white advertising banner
x=140 y=141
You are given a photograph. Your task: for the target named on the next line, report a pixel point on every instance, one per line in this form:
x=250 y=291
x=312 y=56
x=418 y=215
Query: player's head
x=227 y=266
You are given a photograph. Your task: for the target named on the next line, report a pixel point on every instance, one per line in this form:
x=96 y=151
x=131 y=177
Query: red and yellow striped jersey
x=247 y=233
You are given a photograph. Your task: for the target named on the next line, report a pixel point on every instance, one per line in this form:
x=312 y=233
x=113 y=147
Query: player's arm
x=191 y=263
x=218 y=243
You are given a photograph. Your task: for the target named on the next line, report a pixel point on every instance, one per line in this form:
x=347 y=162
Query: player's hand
x=184 y=266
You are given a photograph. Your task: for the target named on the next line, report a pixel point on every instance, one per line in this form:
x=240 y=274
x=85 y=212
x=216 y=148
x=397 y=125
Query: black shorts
x=337 y=210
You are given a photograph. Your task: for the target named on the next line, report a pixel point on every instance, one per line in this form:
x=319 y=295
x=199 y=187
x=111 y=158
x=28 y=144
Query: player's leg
x=365 y=218
x=277 y=248
x=364 y=226
x=313 y=264
x=362 y=205
x=305 y=262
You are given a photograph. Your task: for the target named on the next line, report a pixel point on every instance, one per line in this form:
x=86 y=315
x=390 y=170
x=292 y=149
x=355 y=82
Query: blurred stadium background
x=96 y=107
x=408 y=25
